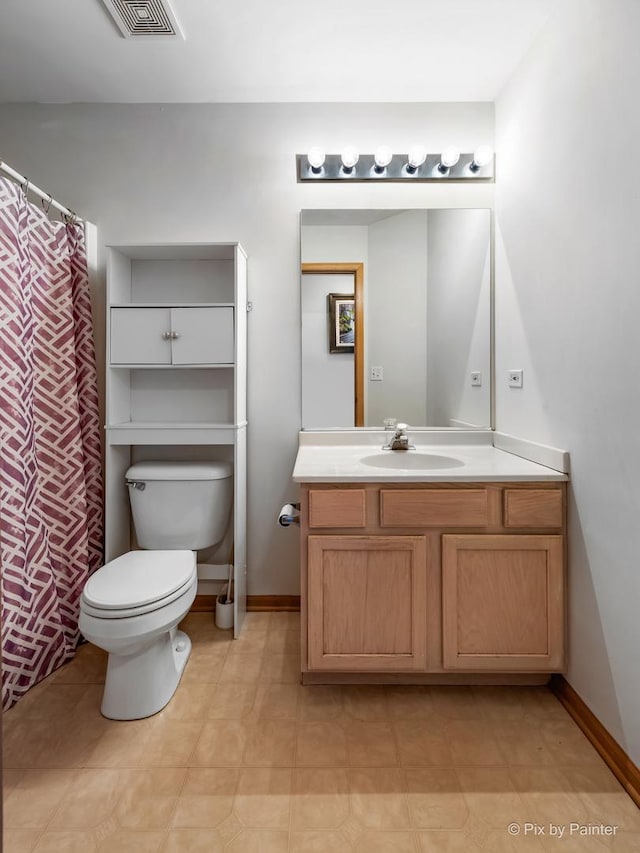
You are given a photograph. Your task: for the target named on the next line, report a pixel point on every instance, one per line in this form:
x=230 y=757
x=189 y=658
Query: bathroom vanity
x=441 y=564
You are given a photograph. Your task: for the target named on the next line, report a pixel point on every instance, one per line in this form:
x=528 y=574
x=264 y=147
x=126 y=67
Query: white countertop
x=336 y=457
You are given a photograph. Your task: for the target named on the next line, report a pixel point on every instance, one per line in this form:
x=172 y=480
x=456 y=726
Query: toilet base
x=140 y=684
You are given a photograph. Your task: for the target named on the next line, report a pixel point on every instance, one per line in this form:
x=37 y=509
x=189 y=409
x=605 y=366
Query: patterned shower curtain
x=51 y=523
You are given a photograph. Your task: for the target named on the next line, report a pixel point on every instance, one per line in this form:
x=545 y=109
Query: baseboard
x=255 y=603
x=288 y=603
x=622 y=767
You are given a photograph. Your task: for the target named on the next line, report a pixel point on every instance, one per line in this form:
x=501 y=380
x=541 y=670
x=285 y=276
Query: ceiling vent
x=146 y=19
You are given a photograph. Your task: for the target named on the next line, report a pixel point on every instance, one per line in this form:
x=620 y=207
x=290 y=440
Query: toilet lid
x=139 y=578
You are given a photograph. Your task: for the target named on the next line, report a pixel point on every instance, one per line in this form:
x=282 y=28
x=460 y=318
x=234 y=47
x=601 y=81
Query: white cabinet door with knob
x=154 y=336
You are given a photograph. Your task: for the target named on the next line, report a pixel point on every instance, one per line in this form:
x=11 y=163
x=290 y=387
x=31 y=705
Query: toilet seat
x=138 y=582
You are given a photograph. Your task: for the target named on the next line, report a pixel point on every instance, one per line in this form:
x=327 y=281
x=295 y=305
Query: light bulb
x=448 y=158
x=315 y=158
x=416 y=157
x=349 y=158
x=382 y=158
x=482 y=157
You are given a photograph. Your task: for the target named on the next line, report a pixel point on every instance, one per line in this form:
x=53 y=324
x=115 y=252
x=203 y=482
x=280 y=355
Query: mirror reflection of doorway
x=330 y=368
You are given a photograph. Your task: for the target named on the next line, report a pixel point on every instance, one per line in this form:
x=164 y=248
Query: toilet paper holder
x=289 y=514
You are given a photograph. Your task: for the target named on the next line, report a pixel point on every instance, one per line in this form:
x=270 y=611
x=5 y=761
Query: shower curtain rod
x=45 y=197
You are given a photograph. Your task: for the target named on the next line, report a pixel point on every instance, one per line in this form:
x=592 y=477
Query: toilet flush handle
x=137 y=484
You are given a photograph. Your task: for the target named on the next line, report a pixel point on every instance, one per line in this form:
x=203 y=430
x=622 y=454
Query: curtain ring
x=24 y=186
x=70 y=218
x=48 y=205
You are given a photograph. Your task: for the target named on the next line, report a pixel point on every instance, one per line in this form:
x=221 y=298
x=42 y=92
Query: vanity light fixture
x=483 y=156
x=448 y=159
x=316 y=159
x=349 y=159
x=418 y=166
x=381 y=159
x=415 y=158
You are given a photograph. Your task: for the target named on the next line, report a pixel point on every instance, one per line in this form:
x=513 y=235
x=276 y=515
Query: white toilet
x=132 y=605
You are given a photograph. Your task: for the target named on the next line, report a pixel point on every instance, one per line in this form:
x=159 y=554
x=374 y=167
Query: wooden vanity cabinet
x=429 y=579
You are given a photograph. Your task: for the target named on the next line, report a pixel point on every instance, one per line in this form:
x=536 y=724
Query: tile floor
x=245 y=760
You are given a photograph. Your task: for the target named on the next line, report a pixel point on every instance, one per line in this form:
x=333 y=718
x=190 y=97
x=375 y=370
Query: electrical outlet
x=515 y=379
x=375 y=374
x=476 y=378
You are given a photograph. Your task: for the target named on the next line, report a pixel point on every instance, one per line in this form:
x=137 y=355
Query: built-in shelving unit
x=176 y=379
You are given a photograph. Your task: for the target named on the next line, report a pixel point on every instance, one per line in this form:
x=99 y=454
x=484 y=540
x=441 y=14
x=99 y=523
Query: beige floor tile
x=455 y=703
x=501 y=704
x=124 y=841
x=206 y=798
x=54 y=701
x=491 y=797
x=280 y=669
x=190 y=702
x=221 y=744
x=500 y=841
x=240 y=668
x=205 y=664
x=522 y=743
x=170 y=743
x=603 y=797
x=257 y=622
x=409 y=703
x=231 y=701
x=626 y=842
x=149 y=799
x=387 y=842
x=567 y=744
x=263 y=798
x=447 y=842
x=421 y=744
x=20 y=840
x=259 y=841
x=472 y=743
x=435 y=799
x=541 y=702
x=277 y=701
x=250 y=643
x=123 y=744
x=321 y=745
x=370 y=744
x=367 y=703
x=377 y=798
x=283 y=642
x=270 y=743
x=91 y=798
x=548 y=795
x=193 y=841
x=321 y=702
x=51 y=743
x=320 y=798
x=66 y=841
x=88 y=706
x=319 y=842
x=83 y=669
x=575 y=844
x=284 y=621
x=36 y=795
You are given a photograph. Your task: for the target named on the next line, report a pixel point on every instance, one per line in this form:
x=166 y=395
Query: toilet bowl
x=131 y=606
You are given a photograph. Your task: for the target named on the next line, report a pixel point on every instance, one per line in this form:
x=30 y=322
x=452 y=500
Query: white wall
x=458 y=317
x=568 y=307
x=227 y=172
x=397 y=319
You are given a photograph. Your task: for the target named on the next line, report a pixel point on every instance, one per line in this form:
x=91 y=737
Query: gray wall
x=568 y=304
x=227 y=172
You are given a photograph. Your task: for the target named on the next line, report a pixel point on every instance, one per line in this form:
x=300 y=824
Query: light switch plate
x=476 y=378
x=375 y=374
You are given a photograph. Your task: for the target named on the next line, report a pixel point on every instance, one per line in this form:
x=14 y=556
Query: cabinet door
x=205 y=335
x=503 y=603
x=367 y=606
x=139 y=336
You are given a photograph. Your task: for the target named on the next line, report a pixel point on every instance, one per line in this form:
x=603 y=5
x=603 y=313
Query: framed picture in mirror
x=342 y=316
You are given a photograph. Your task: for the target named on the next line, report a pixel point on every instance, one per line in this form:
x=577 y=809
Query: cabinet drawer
x=434 y=508
x=337 y=508
x=533 y=508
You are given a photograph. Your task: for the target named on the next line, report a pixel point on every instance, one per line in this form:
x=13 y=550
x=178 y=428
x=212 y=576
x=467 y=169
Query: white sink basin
x=410 y=460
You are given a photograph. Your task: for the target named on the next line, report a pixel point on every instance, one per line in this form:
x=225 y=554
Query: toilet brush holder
x=224 y=611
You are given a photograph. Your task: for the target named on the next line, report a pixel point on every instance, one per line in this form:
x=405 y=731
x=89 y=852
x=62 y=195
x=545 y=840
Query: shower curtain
x=51 y=518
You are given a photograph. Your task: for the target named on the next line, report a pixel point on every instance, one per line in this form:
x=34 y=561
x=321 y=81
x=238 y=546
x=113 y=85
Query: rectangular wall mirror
x=396 y=318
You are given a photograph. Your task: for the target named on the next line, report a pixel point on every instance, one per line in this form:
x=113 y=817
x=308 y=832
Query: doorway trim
x=357 y=270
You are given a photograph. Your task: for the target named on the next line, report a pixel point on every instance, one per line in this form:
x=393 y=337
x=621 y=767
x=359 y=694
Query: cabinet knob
x=166 y=336
x=175 y=336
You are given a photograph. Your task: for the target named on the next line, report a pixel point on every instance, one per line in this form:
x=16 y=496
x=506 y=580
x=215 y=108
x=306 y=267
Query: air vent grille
x=144 y=18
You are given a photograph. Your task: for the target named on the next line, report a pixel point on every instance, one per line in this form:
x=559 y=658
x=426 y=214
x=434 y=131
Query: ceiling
x=269 y=50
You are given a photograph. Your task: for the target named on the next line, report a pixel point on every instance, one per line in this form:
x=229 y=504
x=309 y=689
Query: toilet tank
x=178 y=505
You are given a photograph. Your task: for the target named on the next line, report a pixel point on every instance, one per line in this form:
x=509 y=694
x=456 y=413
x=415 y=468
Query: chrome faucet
x=400 y=440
